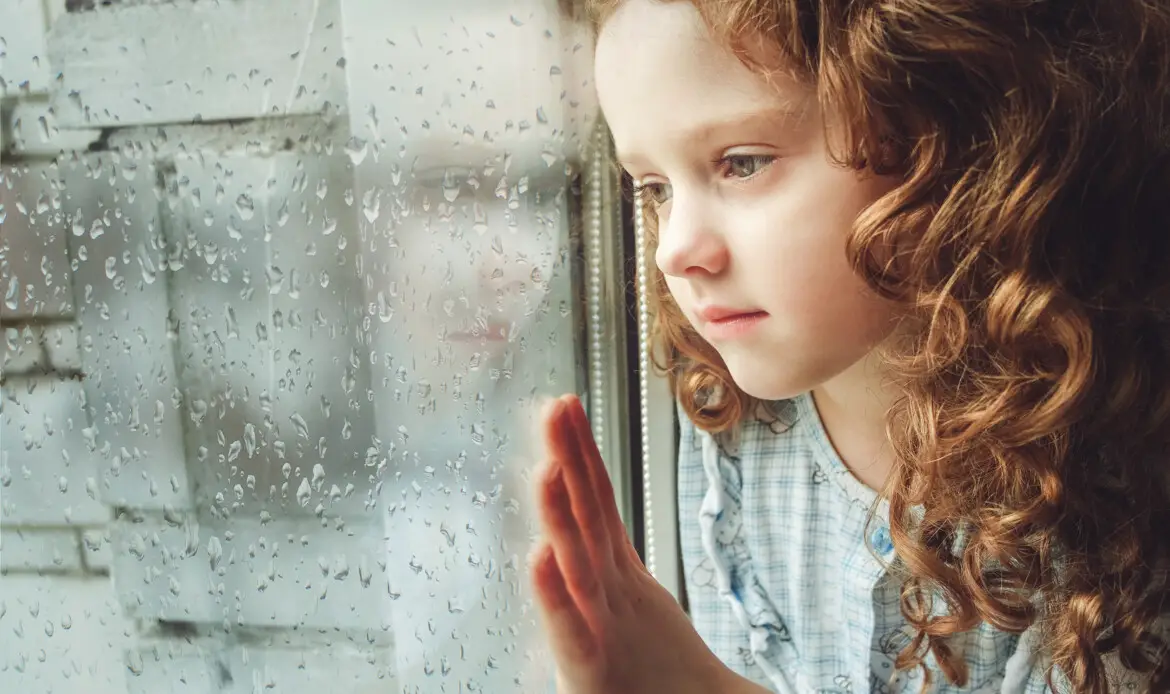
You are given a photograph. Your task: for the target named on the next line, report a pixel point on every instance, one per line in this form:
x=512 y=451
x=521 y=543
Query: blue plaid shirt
x=781 y=580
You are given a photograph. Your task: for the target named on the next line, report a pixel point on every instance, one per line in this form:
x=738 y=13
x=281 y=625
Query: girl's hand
x=612 y=628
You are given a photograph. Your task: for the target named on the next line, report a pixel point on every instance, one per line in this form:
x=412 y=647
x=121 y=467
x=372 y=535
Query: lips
x=721 y=314
x=722 y=323
x=491 y=332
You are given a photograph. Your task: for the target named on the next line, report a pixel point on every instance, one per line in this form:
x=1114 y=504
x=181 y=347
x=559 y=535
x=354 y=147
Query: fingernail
x=554 y=408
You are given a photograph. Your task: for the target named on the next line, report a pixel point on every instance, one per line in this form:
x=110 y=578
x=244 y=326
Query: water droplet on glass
x=214 y=552
x=451 y=187
x=134 y=662
x=299 y=422
x=111 y=267
x=11 y=294
x=233 y=329
x=275 y=279
x=304 y=492
x=149 y=273
x=250 y=438
x=480 y=224
x=371 y=205
x=245 y=207
x=318 y=476
x=282 y=215
x=62 y=484
x=356 y=148
x=341 y=569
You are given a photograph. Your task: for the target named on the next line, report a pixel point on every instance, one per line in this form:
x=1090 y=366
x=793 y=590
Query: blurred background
x=283 y=281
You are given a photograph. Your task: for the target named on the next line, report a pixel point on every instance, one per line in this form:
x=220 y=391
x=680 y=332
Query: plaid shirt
x=781 y=579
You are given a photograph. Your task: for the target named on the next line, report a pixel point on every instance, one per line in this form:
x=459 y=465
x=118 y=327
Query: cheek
x=681 y=293
x=796 y=256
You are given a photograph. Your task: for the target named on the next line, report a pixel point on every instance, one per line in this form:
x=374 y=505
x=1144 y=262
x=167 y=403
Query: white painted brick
x=493 y=60
x=39 y=549
x=61 y=634
x=261 y=138
x=194 y=572
x=46 y=468
x=96 y=548
x=23 y=351
x=214 y=362
x=350 y=665
x=178 y=62
x=35 y=131
x=34 y=255
x=61 y=344
x=24 y=64
x=126 y=354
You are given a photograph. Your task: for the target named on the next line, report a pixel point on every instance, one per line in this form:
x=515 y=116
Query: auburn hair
x=1029 y=239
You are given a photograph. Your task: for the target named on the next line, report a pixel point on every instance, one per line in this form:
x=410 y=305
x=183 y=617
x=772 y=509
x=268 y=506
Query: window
x=281 y=282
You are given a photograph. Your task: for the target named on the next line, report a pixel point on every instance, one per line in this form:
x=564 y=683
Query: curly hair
x=1029 y=241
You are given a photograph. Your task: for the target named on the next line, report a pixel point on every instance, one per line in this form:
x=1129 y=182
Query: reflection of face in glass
x=475 y=251
x=470 y=267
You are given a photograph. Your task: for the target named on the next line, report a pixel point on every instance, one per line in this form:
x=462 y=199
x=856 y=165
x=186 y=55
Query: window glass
x=281 y=280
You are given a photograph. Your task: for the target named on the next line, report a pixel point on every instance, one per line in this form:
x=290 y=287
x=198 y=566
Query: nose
x=688 y=242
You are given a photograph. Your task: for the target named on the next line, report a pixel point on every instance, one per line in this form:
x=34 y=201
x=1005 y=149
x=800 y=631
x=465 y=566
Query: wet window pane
x=281 y=282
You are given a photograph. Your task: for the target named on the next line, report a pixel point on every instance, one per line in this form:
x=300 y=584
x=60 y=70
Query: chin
x=767 y=382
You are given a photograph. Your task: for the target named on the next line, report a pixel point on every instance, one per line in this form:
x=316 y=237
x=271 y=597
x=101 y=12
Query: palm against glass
x=612 y=628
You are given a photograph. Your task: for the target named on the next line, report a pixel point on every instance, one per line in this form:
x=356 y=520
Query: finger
x=565 y=535
x=599 y=477
x=569 y=633
x=565 y=450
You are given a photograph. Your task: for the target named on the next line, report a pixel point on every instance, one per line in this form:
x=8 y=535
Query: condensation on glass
x=281 y=282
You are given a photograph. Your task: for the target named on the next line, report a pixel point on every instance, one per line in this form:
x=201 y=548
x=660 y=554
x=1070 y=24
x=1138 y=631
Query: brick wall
x=233 y=455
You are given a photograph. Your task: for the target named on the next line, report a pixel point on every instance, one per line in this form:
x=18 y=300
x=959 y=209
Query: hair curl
x=1030 y=241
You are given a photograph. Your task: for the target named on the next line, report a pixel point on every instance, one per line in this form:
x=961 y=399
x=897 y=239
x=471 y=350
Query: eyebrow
x=773 y=116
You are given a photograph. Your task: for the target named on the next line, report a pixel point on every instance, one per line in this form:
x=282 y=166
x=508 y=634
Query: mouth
x=480 y=334
x=722 y=324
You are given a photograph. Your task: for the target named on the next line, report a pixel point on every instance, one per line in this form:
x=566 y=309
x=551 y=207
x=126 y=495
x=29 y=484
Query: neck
x=853 y=407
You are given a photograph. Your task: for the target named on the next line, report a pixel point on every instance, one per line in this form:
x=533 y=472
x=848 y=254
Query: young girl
x=912 y=291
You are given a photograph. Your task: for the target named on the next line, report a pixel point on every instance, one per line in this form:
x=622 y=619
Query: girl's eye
x=655 y=193
x=746 y=165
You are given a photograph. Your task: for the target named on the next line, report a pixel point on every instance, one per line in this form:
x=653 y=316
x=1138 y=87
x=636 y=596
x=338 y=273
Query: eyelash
x=764 y=161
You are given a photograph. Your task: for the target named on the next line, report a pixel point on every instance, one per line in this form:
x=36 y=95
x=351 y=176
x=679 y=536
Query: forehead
x=662 y=78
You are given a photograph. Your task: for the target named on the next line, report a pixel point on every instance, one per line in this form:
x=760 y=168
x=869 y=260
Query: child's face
x=753 y=217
